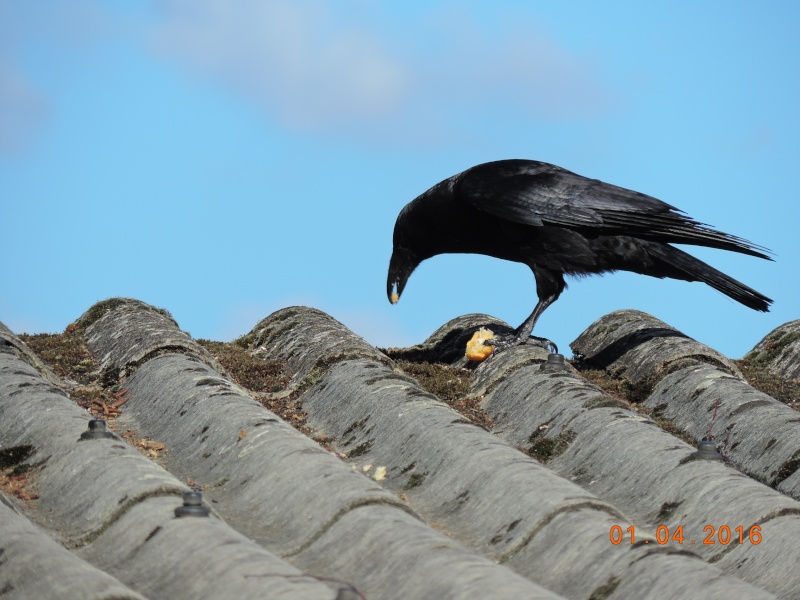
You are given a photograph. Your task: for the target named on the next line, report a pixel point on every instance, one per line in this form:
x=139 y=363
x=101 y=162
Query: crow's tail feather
x=687 y=267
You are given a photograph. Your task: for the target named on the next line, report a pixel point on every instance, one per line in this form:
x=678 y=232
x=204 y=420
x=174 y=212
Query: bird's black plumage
x=558 y=223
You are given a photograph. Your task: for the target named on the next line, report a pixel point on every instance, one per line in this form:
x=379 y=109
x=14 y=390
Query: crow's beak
x=401 y=265
x=394 y=288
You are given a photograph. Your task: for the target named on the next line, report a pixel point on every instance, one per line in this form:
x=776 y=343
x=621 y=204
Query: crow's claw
x=503 y=342
x=544 y=343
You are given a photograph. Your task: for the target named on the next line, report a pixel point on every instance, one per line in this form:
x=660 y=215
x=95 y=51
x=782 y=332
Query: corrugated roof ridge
x=779 y=351
x=36 y=566
x=8 y=338
x=679 y=380
x=90 y=490
x=586 y=435
x=758 y=433
x=306 y=322
x=144 y=331
x=642 y=349
x=413 y=443
x=253 y=465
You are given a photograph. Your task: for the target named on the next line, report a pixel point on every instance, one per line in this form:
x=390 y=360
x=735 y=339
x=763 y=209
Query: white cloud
x=294 y=57
x=53 y=31
x=342 y=68
x=517 y=67
x=23 y=110
x=322 y=66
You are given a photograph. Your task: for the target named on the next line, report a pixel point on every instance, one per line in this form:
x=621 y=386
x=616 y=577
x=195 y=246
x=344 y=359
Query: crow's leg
x=549 y=286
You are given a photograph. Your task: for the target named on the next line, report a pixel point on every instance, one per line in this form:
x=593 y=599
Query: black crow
x=558 y=223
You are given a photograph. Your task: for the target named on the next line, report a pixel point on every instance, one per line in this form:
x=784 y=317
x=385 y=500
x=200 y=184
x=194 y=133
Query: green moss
x=360 y=450
x=250 y=372
x=605 y=590
x=545 y=449
x=613 y=386
x=780 y=388
x=773 y=346
x=267 y=335
x=667 y=510
x=99 y=310
x=415 y=480
x=313 y=377
x=787 y=469
x=356 y=425
x=14 y=456
x=66 y=354
x=449 y=384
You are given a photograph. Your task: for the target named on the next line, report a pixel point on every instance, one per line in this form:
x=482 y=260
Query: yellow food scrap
x=395 y=298
x=476 y=348
x=380 y=474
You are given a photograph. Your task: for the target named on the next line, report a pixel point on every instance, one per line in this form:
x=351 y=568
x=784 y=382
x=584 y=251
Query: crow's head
x=401 y=266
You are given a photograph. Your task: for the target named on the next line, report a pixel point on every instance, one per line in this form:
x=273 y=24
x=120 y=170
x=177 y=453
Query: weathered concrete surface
x=484 y=492
x=324 y=332
x=269 y=479
x=9 y=340
x=194 y=557
x=33 y=565
x=106 y=500
x=626 y=459
x=640 y=348
x=396 y=556
x=779 y=351
x=286 y=492
x=140 y=331
x=262 y=474
x=760 y=434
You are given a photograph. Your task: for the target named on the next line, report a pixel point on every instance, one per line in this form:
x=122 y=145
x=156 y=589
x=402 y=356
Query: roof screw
x=555 y=362
x=192 y=506
x=706 y=450
x=97 y=430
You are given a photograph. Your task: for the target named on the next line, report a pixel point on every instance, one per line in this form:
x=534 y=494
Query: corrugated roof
x=387 y=491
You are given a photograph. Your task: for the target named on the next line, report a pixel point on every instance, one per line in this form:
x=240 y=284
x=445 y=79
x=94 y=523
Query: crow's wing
x=536 y=193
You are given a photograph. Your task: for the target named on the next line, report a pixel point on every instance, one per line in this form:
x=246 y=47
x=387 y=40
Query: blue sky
x=227 y=159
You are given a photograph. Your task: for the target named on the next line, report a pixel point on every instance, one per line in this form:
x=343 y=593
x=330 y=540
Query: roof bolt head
x=192 y=506
x=97 y=430
x=707 y=450
x=555 y=362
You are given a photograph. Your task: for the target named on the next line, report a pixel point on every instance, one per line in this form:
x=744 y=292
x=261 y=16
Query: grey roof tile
x=33 y=565
x=9 y=341
x=482 y=491
x=760 y=434
x=414 y=500
x=332 y=341
x=140 y=331
x=701 y=392
x=107 y=502
x=286 y=492
x=642 y=347
x=626 y=459
x=780 y=350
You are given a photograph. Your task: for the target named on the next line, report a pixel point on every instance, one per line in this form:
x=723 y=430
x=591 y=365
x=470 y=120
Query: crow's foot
x=504 y=342
x=544 y=343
